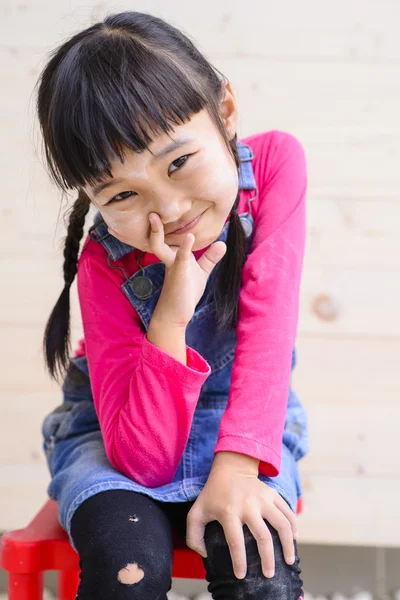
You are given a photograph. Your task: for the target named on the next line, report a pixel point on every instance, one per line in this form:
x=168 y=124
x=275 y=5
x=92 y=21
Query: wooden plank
x=310 y=31
x=352 y=232
x=346 y=301
x=312 y=95
x=22 y=493
x=334 y=299
x=353 y=511
x=25 y=414
x=349 y=31
x=337 y=510
x=349 y=440
x=345 y=439
x=328 y=369
x=22 y=360
x=358 y=371
x=33 y=286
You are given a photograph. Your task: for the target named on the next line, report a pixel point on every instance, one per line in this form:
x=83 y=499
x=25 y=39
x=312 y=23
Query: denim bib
x=72 y=439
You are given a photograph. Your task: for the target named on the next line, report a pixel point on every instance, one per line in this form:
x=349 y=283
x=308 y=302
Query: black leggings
x=124 y=541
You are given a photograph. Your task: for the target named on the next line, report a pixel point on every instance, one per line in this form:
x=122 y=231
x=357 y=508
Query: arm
x=167 y=338
x=268 y=310
x=145 y=396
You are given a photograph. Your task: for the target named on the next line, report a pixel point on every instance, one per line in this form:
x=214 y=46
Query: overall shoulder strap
x=246 y=174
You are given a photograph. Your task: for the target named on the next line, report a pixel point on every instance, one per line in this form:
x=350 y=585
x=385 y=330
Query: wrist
x=169 y=338
x=236 y=460
x=160 y=319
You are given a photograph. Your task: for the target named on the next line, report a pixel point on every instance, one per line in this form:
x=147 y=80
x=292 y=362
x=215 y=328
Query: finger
x=157 y=241
x=185 y=249
x=289 y=514
x=233 y=529
x=278 y=520
x=195 y=528
x=265 y=543
x=212 y=256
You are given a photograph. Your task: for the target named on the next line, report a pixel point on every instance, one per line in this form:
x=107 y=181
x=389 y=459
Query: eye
x=118 y=198
x=186 y=156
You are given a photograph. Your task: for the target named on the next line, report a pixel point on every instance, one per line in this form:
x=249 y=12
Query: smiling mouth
x=188 y=226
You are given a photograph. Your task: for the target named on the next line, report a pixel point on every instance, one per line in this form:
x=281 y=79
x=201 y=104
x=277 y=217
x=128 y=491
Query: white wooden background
x=330 y=74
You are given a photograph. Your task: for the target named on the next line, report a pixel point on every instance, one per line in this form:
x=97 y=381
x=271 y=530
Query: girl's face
x=189 y=175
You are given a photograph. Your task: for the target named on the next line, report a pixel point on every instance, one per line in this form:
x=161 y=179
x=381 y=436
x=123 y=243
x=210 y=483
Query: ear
x=228 y=110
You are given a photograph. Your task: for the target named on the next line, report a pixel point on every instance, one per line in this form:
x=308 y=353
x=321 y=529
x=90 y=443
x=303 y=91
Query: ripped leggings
x=124 y=541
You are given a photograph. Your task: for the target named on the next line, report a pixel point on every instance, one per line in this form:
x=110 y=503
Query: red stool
x=44 y=545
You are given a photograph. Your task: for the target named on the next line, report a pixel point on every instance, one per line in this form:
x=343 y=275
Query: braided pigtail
x=56 y=342
x=229 y=278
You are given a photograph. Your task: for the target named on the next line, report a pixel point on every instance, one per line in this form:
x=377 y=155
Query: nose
x=171 y=209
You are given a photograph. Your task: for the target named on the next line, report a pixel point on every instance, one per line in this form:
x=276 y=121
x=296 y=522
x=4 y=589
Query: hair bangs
x=119 y=94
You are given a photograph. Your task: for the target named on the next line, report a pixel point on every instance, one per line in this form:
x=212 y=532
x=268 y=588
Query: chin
x=201 y=243
x=199 y=246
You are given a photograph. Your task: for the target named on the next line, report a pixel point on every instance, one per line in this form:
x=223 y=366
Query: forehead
x=196 y=128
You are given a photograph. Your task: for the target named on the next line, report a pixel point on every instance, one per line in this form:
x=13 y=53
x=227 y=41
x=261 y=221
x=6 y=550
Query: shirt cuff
x=270 y=461
x=196 y=371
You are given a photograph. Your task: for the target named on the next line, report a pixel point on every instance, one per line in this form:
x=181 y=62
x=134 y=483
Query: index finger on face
x=157 y=241
x=233 y=529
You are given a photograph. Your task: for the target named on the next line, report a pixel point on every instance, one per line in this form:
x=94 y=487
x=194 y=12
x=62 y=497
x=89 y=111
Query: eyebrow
x=172 y=146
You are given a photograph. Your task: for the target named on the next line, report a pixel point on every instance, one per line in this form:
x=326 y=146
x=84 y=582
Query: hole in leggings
x=130 y=574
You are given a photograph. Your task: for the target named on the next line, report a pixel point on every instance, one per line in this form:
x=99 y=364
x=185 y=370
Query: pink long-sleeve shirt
x=145 y=398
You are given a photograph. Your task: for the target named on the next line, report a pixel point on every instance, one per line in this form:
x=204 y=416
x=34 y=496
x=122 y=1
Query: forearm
x=169 y=338
x=146 y=434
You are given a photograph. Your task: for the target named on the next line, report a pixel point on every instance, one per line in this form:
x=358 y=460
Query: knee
x=286 y=584
x=130 y=574
x=123 y=541
x=108 y=574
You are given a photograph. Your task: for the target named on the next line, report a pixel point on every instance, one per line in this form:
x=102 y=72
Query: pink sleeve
x=144 y=398
x=254 y=419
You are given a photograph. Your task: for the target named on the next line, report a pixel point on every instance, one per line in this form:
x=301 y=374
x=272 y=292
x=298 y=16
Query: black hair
x=112 y=86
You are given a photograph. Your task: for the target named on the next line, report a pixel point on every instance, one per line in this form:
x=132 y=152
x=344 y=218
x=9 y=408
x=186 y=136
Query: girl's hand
x=234 y=496
x=185 y=278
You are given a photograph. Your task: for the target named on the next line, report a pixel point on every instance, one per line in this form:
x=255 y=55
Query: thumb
x=195 y=535
x=212 y=256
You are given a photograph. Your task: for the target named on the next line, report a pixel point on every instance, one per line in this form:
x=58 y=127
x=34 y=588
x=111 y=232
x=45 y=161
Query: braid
x=56 y=340
x=230 y=275
x=74 y=236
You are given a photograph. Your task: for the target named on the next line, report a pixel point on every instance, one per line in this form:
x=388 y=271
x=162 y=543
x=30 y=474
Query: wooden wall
x=330 y=74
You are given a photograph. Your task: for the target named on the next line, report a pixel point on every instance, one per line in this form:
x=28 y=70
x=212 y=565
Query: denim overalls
x=73 y=443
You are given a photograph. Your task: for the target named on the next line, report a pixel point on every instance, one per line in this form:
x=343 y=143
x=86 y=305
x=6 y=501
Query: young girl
x=178 y=416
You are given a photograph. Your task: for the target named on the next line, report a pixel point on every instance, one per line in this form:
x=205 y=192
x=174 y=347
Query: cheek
x=118 y=218
x=129 y=224
x=111 y=221
x=221 y=187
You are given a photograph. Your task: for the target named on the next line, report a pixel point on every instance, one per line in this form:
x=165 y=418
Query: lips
x=184 y=225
